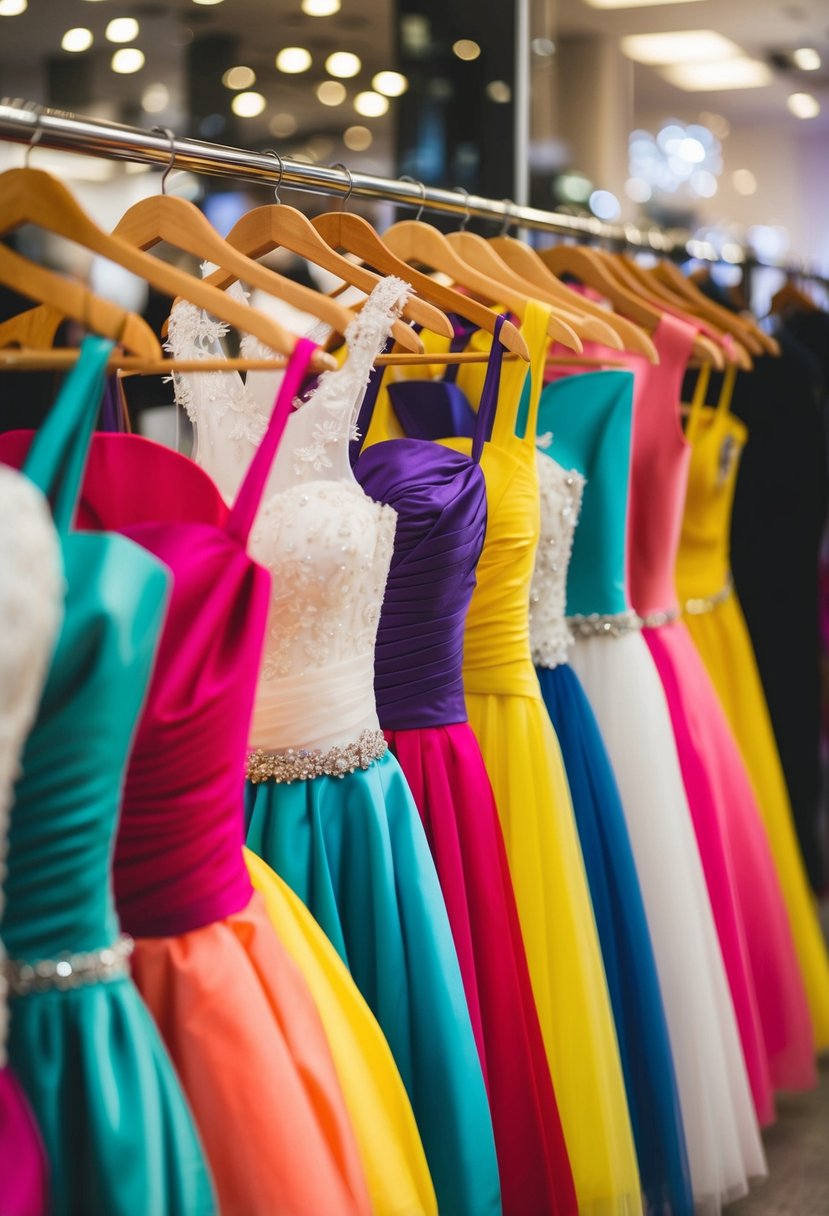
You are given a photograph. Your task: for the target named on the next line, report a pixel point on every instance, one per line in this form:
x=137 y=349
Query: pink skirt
x=23 y=1190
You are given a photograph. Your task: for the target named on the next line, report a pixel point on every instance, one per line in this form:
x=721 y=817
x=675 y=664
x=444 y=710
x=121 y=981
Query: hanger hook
x=507 y=224
x=277 y=187
x=339 y=165
x=171 y=135
x=465 y=219
x=415 y=182
x=37 y=132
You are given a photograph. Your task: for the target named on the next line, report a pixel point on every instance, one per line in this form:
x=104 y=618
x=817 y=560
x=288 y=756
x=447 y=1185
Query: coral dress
x=440 y=498
x=714 y=618
x=118 y=1134
x=590 y=418
x=751 y=917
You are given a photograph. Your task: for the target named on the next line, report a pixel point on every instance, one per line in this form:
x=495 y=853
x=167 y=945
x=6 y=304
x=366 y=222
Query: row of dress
x=439 y=883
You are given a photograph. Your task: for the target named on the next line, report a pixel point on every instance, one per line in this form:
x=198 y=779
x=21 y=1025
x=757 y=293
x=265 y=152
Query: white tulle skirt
x=724 y=1147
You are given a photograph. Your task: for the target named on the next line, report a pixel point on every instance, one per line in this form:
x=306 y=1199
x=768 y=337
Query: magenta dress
x=439 y=495
x=752 y=923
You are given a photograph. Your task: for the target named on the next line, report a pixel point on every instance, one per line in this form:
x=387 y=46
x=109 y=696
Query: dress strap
x=244 y=509
x=369 y=401
x=697 y=402
x=57 y=457
x=727 y=391
x=489 y=396
x=516 y=420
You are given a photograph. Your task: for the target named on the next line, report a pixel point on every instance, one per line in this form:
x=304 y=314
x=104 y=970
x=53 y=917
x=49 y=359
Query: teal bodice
x=590 y=418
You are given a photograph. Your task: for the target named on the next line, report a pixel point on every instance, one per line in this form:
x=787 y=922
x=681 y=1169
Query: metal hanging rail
x=23 y=122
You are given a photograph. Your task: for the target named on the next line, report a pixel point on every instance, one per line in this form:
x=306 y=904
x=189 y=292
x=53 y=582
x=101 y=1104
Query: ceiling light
x=466 y=48
x=738 y=73
x=744 y=181
x=77 y=39
x=122 y=29
x=684 y=46
x=390 y=84
x=720 y=126
x=343 y=64
x=499 y=91
x=293 y=59
x=282 y=125
x=357 y=139
x=320 y=8
x=637 y=189
x=331 y=92
x=207 y=2
x=240 y=77
x=13 y=8
x=371 y=105
x=632 y=3
x=248 y=105
x=543 y=47
x=703 y=183
x=803 y=105
x=155 y=98
x=806 y=58
x=128 y=60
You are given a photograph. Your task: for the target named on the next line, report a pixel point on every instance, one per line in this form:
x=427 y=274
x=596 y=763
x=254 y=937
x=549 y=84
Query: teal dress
x=117 y=1131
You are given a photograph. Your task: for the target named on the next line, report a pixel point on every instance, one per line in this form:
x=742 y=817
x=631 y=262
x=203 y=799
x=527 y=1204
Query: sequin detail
x=596 y=624
x=69 y=970
x=560 y=493
x=707 y=603
x=299 y=764
x=655 y=620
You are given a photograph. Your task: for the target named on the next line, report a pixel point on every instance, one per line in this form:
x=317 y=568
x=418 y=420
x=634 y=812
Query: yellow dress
x=713 y=615
x=525 y=767
x=384 y=1126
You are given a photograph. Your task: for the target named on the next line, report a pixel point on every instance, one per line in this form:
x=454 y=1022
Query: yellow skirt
x=524 y=763
x=722 y=639
x=384 y=1126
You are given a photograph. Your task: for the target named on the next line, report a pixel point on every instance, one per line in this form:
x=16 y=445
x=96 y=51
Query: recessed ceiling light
x=499 y=91
x=331 y=92
x=803 y=105
x=155 y=98
x=806 y=58
x=77 y=39
x=682 y=46
x=240 y=77
x=13 y=8
x=320 y=8
x=248 y=105
x=357 y=139
x=128 y=60
x=371 y=105
x=737 y=73
x=207 y=2
x=466 y=48
x=744 y=181
x=293 y=60
x=343 y=64
x=122 y=29
x=390 y=84
x=633 y=3
x=282 y=125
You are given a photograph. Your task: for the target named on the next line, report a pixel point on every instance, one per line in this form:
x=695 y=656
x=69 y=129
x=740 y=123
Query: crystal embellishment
x=655 y=620
x=597 y=624
x=69 y=970
x=707 y=603
x=300 y=764
x=560 y=493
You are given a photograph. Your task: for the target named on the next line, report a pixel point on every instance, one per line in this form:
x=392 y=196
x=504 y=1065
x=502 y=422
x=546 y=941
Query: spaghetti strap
x=527 y=382
x=697 y=403
x=727 y=390
x=244 y=509
x=57 y=457
x=489 y=396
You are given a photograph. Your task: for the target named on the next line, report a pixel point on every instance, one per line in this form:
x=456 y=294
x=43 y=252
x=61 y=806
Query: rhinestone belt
x=300 y=764
x=598 y=625
x=655 y=620
x=69 y=970
x=707 y=603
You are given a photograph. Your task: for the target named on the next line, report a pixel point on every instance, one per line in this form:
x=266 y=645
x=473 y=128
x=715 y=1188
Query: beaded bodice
x=561 y=494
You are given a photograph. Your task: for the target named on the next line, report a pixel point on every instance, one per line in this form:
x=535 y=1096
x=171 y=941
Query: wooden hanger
x=524 y=259
x=792 y=296
x=31 y=196
x=667 y=272
x=36 y=327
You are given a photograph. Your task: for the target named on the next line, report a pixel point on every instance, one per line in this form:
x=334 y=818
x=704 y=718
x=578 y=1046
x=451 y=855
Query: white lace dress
x=31 y=593
x=328 y=806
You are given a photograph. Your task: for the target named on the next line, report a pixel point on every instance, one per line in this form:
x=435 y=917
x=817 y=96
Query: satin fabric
x=590 y=417
x=752 y=922
x=119 y=1137
x=722 y=640
x=524 y=765
x=23 y=1169
x=440 y=499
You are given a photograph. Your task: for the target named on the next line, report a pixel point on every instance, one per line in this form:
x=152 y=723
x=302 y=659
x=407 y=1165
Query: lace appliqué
x=561 y=494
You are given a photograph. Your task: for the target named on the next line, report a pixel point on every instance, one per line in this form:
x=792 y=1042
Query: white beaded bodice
x=327 y=544
x=561 y=493
x=31 y=594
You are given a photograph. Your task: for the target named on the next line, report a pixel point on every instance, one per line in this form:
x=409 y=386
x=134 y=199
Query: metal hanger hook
x=339 y=165
x=507 y=224
x=171 y=135
x=276 y=189
x=466 y=218
x=37 y=133
x=415 y=182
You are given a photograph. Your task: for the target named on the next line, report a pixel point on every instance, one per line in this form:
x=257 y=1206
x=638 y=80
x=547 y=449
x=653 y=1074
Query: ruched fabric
x=22 y=1160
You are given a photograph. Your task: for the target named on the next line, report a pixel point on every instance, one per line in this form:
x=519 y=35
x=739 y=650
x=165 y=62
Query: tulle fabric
x=378 y=1107
x=24 y=1188
x=450 y=786
x=249 y=1047
x=736 y=858
x=724 y=1148
x=625 y=939
x=524 y=765
x=354 y=851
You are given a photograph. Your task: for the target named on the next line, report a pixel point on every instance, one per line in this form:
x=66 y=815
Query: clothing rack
x=27 y=123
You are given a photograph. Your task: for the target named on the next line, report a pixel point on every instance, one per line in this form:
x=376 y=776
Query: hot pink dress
x=752 y=923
